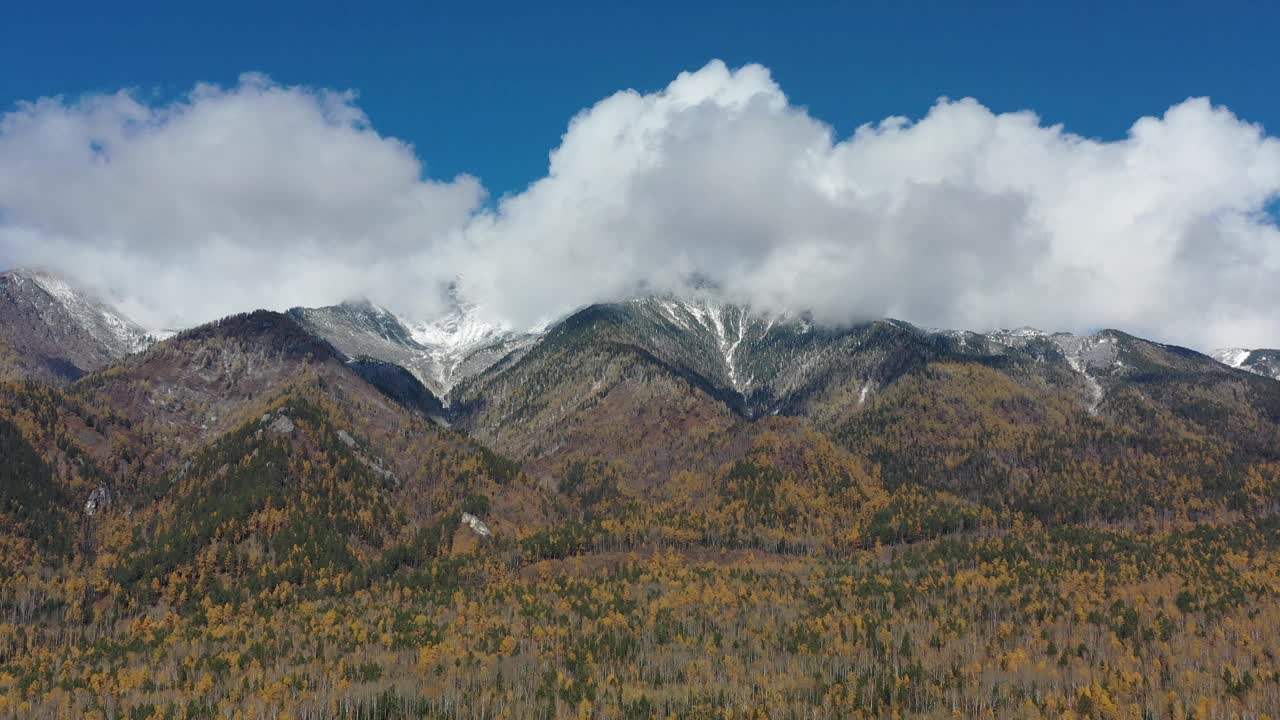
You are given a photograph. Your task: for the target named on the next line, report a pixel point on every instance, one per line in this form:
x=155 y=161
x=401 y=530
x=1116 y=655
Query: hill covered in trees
x=632 y=516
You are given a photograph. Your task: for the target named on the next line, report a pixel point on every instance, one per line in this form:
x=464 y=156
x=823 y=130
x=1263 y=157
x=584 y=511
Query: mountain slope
x=1060 y=426
x=309 y=498
x=587 y=389
x=183 y=392
x=243 y=437
x=440 y=353
x=757 y=365
x=1259 y=362
x=705 y=513
x=54 y=333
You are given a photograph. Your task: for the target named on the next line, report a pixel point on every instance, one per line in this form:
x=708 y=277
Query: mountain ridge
x=440 y=353
x=1259 y=361
x=59 y=333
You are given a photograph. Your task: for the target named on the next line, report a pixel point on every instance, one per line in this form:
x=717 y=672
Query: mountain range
x=549 y=397
x=61 y=333
x=288 y=465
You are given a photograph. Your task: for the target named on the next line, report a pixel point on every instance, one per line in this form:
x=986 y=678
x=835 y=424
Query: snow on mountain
x=765 y=363
x=460 y=344
x=764 y=360
x=1086 y=355
x=1262 y=362
x=1231 y=357
x=1016 y=337
x=1095 y=357
x=756 y=356
x=103 y=323
x=727 y=325
x=60 y=332
x=441 y=353
x=759 y=356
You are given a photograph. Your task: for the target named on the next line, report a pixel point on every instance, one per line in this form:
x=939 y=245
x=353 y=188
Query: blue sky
x=488 y=88
x=273 y=193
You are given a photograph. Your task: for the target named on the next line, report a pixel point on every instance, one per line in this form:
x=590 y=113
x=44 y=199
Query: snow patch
x=448 y=342
x=727 y=325
x=1085 y=353
x=440 y=353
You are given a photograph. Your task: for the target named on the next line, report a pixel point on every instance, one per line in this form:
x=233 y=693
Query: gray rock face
x=440 y=354
x=786 y=364
x=759 y=363
x=99 y=500
x=56 y=333
x=476 y=524
x=760 y=359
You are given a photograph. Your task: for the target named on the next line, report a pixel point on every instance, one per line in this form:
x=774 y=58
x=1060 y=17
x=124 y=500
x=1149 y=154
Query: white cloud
x=263 y=195
x=230 y=199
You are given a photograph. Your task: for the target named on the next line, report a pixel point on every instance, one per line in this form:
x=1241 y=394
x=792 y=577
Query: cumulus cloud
x=261 y=195
x=229 y=199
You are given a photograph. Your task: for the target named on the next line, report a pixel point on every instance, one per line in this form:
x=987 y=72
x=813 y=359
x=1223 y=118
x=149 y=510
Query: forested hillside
x=629 y=518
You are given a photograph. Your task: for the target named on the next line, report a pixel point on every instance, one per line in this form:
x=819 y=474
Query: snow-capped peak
x=441 y=353
x=458 y=330
x=451 y=340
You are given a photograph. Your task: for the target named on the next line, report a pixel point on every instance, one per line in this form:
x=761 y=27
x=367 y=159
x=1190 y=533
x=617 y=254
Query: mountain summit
x=53 y=331
x=440 y=352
